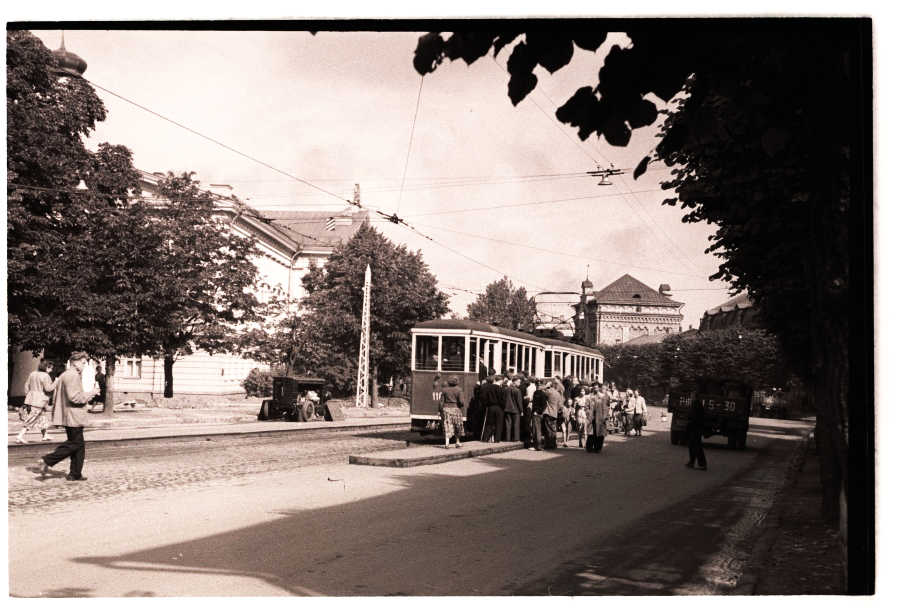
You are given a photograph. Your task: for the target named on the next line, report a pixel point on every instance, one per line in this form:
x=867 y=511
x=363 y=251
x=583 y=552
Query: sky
x=501 y=190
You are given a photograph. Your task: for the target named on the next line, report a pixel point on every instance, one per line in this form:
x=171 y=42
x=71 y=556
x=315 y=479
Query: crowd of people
x=518 y=408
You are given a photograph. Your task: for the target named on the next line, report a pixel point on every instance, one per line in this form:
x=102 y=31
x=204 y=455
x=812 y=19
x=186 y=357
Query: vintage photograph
x=572 y=306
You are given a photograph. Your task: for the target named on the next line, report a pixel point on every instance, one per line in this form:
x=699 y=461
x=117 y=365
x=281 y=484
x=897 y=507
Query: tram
x=470 y=350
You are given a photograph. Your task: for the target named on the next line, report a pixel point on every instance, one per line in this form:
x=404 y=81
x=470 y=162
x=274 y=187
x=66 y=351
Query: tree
x=404 y=292
x=504 y=305
x=74 y=283
x=753 y=356
x=47 y=116
x=91 y=265
x=747 y=140
x=202 y=279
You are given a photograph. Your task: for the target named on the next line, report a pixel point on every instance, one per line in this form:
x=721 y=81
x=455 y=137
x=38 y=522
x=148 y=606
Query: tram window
x=557 y=360
x=534 y=361
x=426 y=353
x=504 y=356
x=548 y=364
x=519 y=360
x=473 y=355
x=525 y=361
x=453 y=356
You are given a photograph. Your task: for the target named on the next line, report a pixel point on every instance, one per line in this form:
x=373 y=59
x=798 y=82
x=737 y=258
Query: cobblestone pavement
x=126 y=468
x=804 y=557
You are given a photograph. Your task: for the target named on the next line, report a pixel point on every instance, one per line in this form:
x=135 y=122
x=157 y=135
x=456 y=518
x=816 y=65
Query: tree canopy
x=91 y=264
x=323 y=336
x=201 y=278
x=502 y=304
x=750 y=355
x=765 y=130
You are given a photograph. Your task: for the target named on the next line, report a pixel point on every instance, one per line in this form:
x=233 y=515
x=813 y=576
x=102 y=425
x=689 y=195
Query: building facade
x=625 y=309
x=290 y=244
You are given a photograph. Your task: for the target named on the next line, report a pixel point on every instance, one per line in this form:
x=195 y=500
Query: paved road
x=117 y=468
x=632 y=520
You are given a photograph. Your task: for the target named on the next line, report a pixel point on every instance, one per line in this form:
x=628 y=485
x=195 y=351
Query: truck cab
x=726 y=409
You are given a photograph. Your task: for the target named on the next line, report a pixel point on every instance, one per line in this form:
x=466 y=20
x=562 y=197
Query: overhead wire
x=412 y=131
x=393 y=218
x=552 y=119
x=520 y=205
x=218 y=143
x=550 y=251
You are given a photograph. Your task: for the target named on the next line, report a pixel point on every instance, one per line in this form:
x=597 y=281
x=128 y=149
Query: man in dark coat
x=695 y=436
x=538 y=406
x=494 y=402
x=512 y=412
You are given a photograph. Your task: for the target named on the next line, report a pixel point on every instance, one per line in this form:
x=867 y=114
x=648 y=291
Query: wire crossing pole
x=362 y=377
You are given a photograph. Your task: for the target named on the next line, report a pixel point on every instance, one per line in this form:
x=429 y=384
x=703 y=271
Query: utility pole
x=362 y=376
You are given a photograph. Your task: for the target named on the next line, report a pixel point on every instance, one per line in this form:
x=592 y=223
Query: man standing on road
x=538 y=406
x=493 y=400
x=527 y=411
x=512 y=412
x=555 y=404
x=68 y=411
x=695 y=436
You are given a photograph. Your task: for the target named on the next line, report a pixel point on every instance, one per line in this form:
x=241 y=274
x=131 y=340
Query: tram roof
x=499 y=330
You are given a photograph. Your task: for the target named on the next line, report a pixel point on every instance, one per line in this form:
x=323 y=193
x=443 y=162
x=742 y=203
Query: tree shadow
x=362 y=547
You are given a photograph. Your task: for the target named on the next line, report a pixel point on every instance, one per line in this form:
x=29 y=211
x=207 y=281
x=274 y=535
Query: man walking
x=68 y=411
x=695 y=436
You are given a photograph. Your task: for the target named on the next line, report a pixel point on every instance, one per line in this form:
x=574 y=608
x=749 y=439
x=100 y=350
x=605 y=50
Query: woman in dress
x=581 y=415
x=451 y=412
x=640 y=412
x=38 y=387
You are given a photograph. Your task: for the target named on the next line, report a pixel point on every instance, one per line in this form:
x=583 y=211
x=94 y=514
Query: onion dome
x=586 y=284
x=68 y=62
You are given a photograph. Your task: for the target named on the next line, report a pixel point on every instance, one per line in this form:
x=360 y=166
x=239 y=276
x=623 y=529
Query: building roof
x=741 y=301
x=629 y=291
x=311 y=228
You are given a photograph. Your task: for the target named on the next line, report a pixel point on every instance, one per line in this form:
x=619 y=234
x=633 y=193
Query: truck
x=726 y=409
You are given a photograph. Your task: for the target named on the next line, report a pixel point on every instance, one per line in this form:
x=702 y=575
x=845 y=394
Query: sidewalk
x=797 y=552
x=129 y=423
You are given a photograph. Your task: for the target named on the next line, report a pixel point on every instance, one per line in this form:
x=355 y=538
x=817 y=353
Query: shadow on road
x=364 y=547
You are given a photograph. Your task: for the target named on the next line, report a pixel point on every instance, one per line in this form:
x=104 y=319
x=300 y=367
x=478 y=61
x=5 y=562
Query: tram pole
x=362 y=375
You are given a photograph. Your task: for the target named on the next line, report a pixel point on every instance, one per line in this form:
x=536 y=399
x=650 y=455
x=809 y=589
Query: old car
x=296 y=399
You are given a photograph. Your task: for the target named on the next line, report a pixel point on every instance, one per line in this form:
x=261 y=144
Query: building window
x=129 y=368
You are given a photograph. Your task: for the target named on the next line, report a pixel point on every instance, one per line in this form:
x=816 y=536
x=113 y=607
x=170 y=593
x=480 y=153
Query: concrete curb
x=770 y=525
x=194 y=431
x=434 y=455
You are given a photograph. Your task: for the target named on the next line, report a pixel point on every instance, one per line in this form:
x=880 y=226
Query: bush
x=258 y=383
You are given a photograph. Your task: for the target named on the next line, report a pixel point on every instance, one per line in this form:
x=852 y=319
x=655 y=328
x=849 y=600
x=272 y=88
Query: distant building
x=738 y=311
x=290 y=244
x=555 y=314
x=625 y=309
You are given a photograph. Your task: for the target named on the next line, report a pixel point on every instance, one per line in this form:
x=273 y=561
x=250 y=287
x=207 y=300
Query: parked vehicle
x=726 y=409
x=296 y=399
